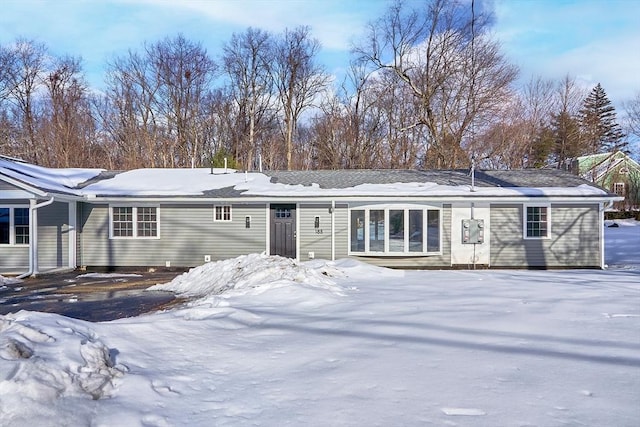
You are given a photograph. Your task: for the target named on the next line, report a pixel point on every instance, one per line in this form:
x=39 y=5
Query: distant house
x=67 y=218
x=616 y=172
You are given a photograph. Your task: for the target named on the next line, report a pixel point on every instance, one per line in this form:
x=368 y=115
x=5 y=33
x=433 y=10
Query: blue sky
x=591 y=40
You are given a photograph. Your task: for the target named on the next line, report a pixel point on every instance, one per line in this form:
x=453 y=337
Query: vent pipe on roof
x=225 y=165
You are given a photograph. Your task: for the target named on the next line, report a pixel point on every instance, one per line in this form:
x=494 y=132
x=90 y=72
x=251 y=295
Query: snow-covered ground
x=266 y=341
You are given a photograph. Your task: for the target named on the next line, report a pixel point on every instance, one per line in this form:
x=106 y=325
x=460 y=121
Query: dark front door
x=283 y=230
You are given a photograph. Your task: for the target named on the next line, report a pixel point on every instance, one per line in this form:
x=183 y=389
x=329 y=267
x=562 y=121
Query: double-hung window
x=14 y=225
x=395 y=230
x=135 y=222
x=619 y=188
x=222 y=213
x=537 y=222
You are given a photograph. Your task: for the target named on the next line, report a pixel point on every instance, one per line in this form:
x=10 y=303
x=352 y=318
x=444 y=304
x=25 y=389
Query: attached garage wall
x=187 y=234
x=53 y=236
x=574 y=239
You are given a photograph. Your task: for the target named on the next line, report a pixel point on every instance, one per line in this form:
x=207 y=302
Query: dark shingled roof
x=532 y=178
x=504 y=178
x=352 y=177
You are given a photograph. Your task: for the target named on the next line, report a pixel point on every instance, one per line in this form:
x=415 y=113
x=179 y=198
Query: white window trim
x=134 y=213
x=524 y=220
x=621 y=184
x=386 y=208
x=12 y=226
x=215 y=207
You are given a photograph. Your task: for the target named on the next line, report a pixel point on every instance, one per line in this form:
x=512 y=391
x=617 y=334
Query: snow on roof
x=201 y=182
x=217 y=183
x=169 y=182
x=59 y=180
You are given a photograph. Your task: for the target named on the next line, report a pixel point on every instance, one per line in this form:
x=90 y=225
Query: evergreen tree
x=543 y=147
x=600 y=130
x=567 y=138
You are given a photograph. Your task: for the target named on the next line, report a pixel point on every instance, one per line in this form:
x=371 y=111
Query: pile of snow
x=45 y=358
x=253 y=273
x=8 y=280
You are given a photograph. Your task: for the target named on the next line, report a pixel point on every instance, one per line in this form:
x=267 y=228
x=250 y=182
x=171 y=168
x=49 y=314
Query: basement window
x=134 y=222
x=14 y=225
x=395 y=230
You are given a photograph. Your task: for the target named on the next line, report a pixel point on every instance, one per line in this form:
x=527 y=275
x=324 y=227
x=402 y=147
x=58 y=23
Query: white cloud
x=596 y=42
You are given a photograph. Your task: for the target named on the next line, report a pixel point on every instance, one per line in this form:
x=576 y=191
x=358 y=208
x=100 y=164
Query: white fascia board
x=65 y=197
x=15 y=195
x=377 y=199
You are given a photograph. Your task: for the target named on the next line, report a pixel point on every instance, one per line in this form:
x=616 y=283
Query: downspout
x=33 y=236
x=605 y=206
x=333 y=230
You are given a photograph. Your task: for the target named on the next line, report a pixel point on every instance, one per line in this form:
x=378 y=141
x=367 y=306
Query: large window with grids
x=537 y=222
x=14 y=225
x=135 y=222
x=395 y=230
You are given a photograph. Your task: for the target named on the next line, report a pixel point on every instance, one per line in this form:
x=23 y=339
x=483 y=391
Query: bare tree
x=184 y=72
x=632 y=109
x=7 y=65
x=23 y=78
x=67 y=124
x=516 y=137
x=452 y=68
x=154 y=106
x=565 y=124
x=128 y=113
x=349 y=128
x=247 y=62
x=298 y=80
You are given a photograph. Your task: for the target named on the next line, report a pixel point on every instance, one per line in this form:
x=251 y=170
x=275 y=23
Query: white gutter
x=33 y=236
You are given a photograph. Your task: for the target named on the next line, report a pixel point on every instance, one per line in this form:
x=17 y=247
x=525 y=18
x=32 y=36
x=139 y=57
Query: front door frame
x=272 y=229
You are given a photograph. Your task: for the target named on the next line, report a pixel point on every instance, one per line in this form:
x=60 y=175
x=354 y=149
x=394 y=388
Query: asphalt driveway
x=89 y=296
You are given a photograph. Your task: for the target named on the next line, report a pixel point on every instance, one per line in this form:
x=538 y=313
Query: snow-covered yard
x=266 y=341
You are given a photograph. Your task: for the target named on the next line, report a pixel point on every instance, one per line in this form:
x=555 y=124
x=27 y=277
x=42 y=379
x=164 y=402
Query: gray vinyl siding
x=7 y=187
x=311 y=239
x=574 y=238
x=424 y=261
x=318 y=240
x=187 y=234
x=53 y=241
x=341 y=219
x=53 y=236
x=13 y=259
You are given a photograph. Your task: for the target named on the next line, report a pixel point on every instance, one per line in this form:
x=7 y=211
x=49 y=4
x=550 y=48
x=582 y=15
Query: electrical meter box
x=472 y=231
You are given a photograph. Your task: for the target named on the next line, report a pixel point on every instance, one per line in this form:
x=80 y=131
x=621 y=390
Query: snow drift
x=253 y=273
x=270 y=341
